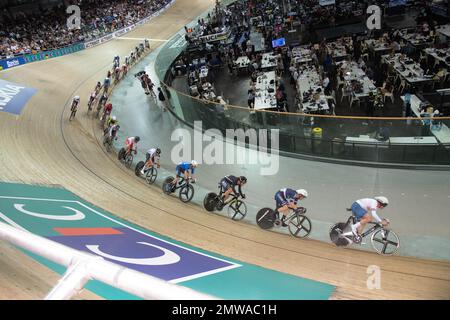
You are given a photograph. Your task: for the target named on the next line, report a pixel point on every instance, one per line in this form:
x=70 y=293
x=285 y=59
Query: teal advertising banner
x=53 y=53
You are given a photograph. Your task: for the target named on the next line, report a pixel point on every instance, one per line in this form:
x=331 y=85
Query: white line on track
x=141 y=39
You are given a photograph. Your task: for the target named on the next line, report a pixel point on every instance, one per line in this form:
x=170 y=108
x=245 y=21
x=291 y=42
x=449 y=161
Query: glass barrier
x=377 y=140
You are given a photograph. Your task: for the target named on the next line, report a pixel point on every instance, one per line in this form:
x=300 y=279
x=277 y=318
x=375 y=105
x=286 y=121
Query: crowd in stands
x=46 y=29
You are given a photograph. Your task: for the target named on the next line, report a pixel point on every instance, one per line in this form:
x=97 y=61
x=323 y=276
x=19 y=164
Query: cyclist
x=92 y=98
x=124 y=70
x=287 y=199
x=101 y=103
x=150 y=85
x=131 y=145
x=228 y=185
x=117 y=73
x=111 y=121
x=74 y=106
x=107 y=109
x=106 y=84
x=112 y=132
x=98 y=87
x=151 y=157
x=116 y=61
x=365 y=210
x=184 y=168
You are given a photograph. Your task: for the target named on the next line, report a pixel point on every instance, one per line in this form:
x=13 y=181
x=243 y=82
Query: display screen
x=327 y=2
x=278 y=42
x=397 y=3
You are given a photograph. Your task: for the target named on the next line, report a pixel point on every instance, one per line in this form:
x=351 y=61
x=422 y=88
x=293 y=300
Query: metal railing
x=82 y=267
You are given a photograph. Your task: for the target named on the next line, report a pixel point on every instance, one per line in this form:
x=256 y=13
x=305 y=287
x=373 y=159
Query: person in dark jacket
x=162 y=98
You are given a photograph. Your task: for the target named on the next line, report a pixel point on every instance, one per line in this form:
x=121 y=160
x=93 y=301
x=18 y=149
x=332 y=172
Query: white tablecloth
x=264 y=99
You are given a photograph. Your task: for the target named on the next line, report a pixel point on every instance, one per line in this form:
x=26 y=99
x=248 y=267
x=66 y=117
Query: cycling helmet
x=243 y=179
x=114 y=118
x=158 y=151
x=382 y=200
x=303 y=192
x=76 y=98
x=137 y=139
x=194 y=163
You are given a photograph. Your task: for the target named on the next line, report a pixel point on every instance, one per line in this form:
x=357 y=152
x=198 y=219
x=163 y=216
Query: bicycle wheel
x=138 y=168
x=336 y=235
x=108 y=145
x=237 y=210
x=300 y=226
x=167 y=186
x=186 y=193
x=121 y=154
x=210 y=201
x=150 y=175
x=129 y=160
x=385 y=242
x=265 y=218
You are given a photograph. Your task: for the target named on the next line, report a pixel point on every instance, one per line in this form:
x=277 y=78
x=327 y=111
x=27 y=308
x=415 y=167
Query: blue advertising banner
x=17 y=61
x=13 y=62
x=14 y=97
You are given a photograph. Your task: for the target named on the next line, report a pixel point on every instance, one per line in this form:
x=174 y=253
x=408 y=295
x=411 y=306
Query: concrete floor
x=419 y=199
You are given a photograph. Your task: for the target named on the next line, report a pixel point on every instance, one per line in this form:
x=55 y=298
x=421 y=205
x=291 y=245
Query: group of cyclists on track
x=286 y=199
x=101 y=90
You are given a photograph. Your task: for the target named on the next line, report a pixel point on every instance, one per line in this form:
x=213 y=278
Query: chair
x=390 y=95
x=365 y=57
x=447 y=77
x=403 y=85
x=353 y=100
x=423 y=56
x=332 y=97
x=345 y=92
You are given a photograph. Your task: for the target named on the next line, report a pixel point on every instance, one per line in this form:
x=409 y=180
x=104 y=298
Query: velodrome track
x=41 y=147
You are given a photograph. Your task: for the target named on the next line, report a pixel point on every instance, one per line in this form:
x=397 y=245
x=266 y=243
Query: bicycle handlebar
x=300 y=210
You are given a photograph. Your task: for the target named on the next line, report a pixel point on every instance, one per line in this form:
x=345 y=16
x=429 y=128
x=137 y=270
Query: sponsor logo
x=13 y=97
x=13 y=63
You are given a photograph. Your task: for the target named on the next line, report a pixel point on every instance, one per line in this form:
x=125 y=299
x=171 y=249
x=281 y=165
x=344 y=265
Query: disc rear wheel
x=265 y=218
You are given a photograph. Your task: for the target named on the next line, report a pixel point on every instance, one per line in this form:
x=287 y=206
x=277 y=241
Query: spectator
x=162 y=98
x=28 y=33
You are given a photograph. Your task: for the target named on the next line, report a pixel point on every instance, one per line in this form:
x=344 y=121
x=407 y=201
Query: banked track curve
x=44 y=148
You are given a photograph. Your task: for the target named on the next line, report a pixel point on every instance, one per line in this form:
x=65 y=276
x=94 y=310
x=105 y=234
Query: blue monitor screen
x=278 y=42
x=397 y=3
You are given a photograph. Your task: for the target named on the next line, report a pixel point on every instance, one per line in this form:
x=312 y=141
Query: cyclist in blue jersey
x=228 y=185
x=187 y=169
x=287 y=199
x=106 y=84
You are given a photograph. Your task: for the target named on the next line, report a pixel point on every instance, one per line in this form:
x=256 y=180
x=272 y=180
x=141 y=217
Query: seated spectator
x=251 y=99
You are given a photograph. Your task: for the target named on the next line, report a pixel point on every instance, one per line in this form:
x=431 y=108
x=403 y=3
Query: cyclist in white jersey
x=151 y=157
x=365 y=210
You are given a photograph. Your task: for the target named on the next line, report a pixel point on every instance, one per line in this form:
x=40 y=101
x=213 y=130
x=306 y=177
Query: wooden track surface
x=42 y=147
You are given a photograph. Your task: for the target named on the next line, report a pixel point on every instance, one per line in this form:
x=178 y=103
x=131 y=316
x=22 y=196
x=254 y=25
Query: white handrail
x=83 y=266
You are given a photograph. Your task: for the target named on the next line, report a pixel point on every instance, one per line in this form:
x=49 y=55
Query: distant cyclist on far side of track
x=187 y=169
x=365 y=210
x=287 y=199
x=228 y=185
